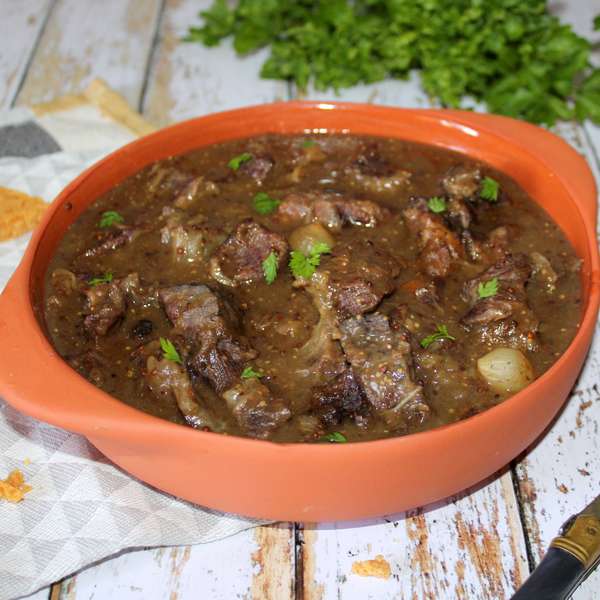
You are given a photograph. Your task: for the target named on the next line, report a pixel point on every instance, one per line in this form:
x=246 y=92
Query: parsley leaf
x=237 y=161
x=517 y=57
x=320 y=248
x=169 y=350
x=304 y=266
x=436 y=204
x=441 y=333
x=269 y=266
x=487 y=289
x=110 y=218
x=489 y=189
x=106 y=278
x=250 y=373
x=264 y=204
x=308 y=143
x=335 y=437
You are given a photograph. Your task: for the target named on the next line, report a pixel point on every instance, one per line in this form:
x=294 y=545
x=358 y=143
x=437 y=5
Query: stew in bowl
x=313 y=288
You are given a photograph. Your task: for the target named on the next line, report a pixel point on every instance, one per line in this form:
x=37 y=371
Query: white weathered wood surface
x=21 y=22
x=475 y=546
x=110 y=39
x=188 y=80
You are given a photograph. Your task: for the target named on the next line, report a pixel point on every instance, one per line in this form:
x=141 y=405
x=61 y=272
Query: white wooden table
x=480 y=544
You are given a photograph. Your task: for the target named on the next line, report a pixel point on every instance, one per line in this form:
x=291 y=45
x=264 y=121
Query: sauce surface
x=305 y=288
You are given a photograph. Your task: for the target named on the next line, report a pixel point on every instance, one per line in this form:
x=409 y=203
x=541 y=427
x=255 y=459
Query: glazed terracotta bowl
x=304 y=482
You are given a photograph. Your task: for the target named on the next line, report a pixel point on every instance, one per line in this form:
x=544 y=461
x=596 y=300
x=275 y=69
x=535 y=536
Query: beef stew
x=316 y=287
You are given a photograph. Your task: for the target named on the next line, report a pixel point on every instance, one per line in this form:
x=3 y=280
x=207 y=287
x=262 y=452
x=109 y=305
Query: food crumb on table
x=14 y=488
x=20 y=213
x=376 y=567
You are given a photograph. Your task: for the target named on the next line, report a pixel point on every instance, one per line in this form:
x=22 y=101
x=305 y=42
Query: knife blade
x=571 y=557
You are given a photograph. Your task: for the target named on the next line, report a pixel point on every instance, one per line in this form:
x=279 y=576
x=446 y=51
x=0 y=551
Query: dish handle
x=28 y=360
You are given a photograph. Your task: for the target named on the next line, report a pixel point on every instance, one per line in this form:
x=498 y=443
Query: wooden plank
x=257 y=564
x=85 y=40
x=468 y=548
x=187 y=80
x=20 y=26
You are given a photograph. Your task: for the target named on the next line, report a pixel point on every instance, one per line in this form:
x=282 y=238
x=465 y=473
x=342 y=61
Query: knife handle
x=572 y=556
x=554 y=578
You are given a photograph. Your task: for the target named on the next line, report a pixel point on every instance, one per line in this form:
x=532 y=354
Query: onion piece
x=505 y=370
x=304 y=238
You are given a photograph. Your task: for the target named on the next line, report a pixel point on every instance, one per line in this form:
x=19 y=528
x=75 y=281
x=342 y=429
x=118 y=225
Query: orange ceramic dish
x=305 y=482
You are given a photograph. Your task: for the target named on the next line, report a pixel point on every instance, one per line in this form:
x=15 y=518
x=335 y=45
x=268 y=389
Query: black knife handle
x=554 y=578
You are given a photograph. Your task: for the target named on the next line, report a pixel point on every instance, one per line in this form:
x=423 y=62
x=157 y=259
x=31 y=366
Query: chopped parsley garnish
x=441 y=333
x=169 y=351
x=487 y=289
x=489 y=189
x=308 y=143
x=265 y=204
x=436 y=204
x=110 y=218
x=269 y=266
x=237 y=161
x=250 y=373
x=517 y=57
x=304 y=266
x=335 y=437
x=106 y=278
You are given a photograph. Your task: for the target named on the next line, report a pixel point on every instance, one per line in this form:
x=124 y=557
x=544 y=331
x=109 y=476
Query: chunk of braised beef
x=373 y=173
x=257 y=167
x=440 y=247
x=330 y=210
x=113 y=240
x=198 y=188
x=255 y=409
x=321 y=353
x=169 y=379
x=459 y=213
x=462 y=182
x=360 y=275
x=106 y=303
x=190 y=241
x=489 y=249
x=505 y=317
x=167 y=178
x=544 y=271
x=310 y=207
x=216 y=347
x=240 y=257
x=361 y=212
x=512 y=272
x=142 y=329
x=381 y=360
x=341 y=398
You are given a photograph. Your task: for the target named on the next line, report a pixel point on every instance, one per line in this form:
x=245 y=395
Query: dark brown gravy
x=397 y=271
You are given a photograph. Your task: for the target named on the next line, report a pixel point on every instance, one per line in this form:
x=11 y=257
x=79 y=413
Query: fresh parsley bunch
x=513 y=55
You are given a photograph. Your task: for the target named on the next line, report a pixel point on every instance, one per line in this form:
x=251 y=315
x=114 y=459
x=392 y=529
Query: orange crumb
x=20 y=213
x=27 y=461
x=14 y=488
x=377 y=567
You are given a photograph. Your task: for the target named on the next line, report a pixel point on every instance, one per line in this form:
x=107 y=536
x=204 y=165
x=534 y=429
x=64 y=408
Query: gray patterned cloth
x=81 y=508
